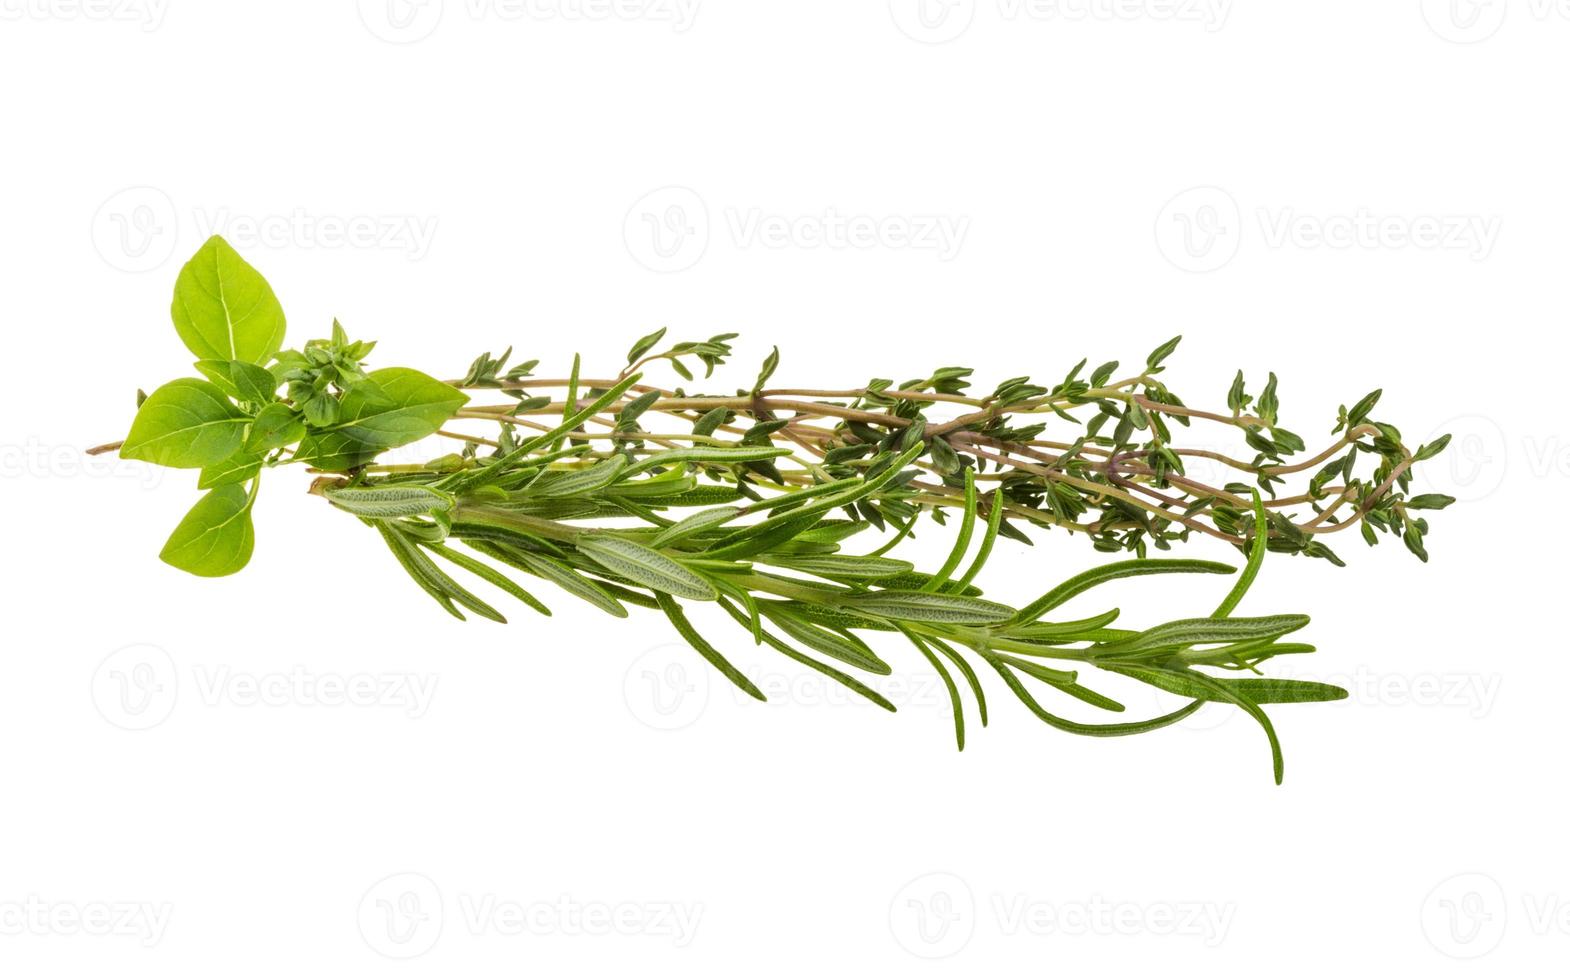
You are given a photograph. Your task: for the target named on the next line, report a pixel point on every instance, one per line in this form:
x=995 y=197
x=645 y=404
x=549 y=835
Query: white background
x=504 y=170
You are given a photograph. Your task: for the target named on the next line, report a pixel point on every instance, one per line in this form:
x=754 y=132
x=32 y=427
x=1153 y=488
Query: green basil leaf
x=215 y=538
x=236 y=469
x=274 y=427
x=241 y=380
x=399 y=406
x=333 y=451
x=223 y=309
x=187 y=423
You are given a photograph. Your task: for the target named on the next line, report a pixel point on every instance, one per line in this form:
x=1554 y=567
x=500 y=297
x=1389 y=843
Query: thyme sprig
x=1113 y=473
x=623 y=493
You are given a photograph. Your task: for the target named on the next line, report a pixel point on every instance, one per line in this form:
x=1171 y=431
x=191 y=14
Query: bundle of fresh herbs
x=754 y=500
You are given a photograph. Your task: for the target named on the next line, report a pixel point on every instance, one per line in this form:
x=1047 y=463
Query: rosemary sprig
x=753 y=500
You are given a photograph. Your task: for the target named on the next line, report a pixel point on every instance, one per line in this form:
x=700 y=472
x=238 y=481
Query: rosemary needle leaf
x=962 y=542
x=855 y=568
x=678 y=619
x=730 y=455
x=1115 y=730
x=1260 y=690
x=1256 y=558
x=571 y=401
x=1065 y=632
x=913 y=581
x=434 y=579
x=1107 y=573
x=797 y=497
x=841 y=646
x=1225 y=693
x=688 y=526
x=822 y=505
x=754 y=621
x=969 y=672
x=580 y=586
x=988 y=539
x=467 y=478
x=490 y=575
x=582 y=482
x=764 y=536
x=1053 y=677
x=927 y=607
x=390 y=501
x=840 y=676
x=647 y=567
x=948 y=682
x=1187 y=632
x=401 y=550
